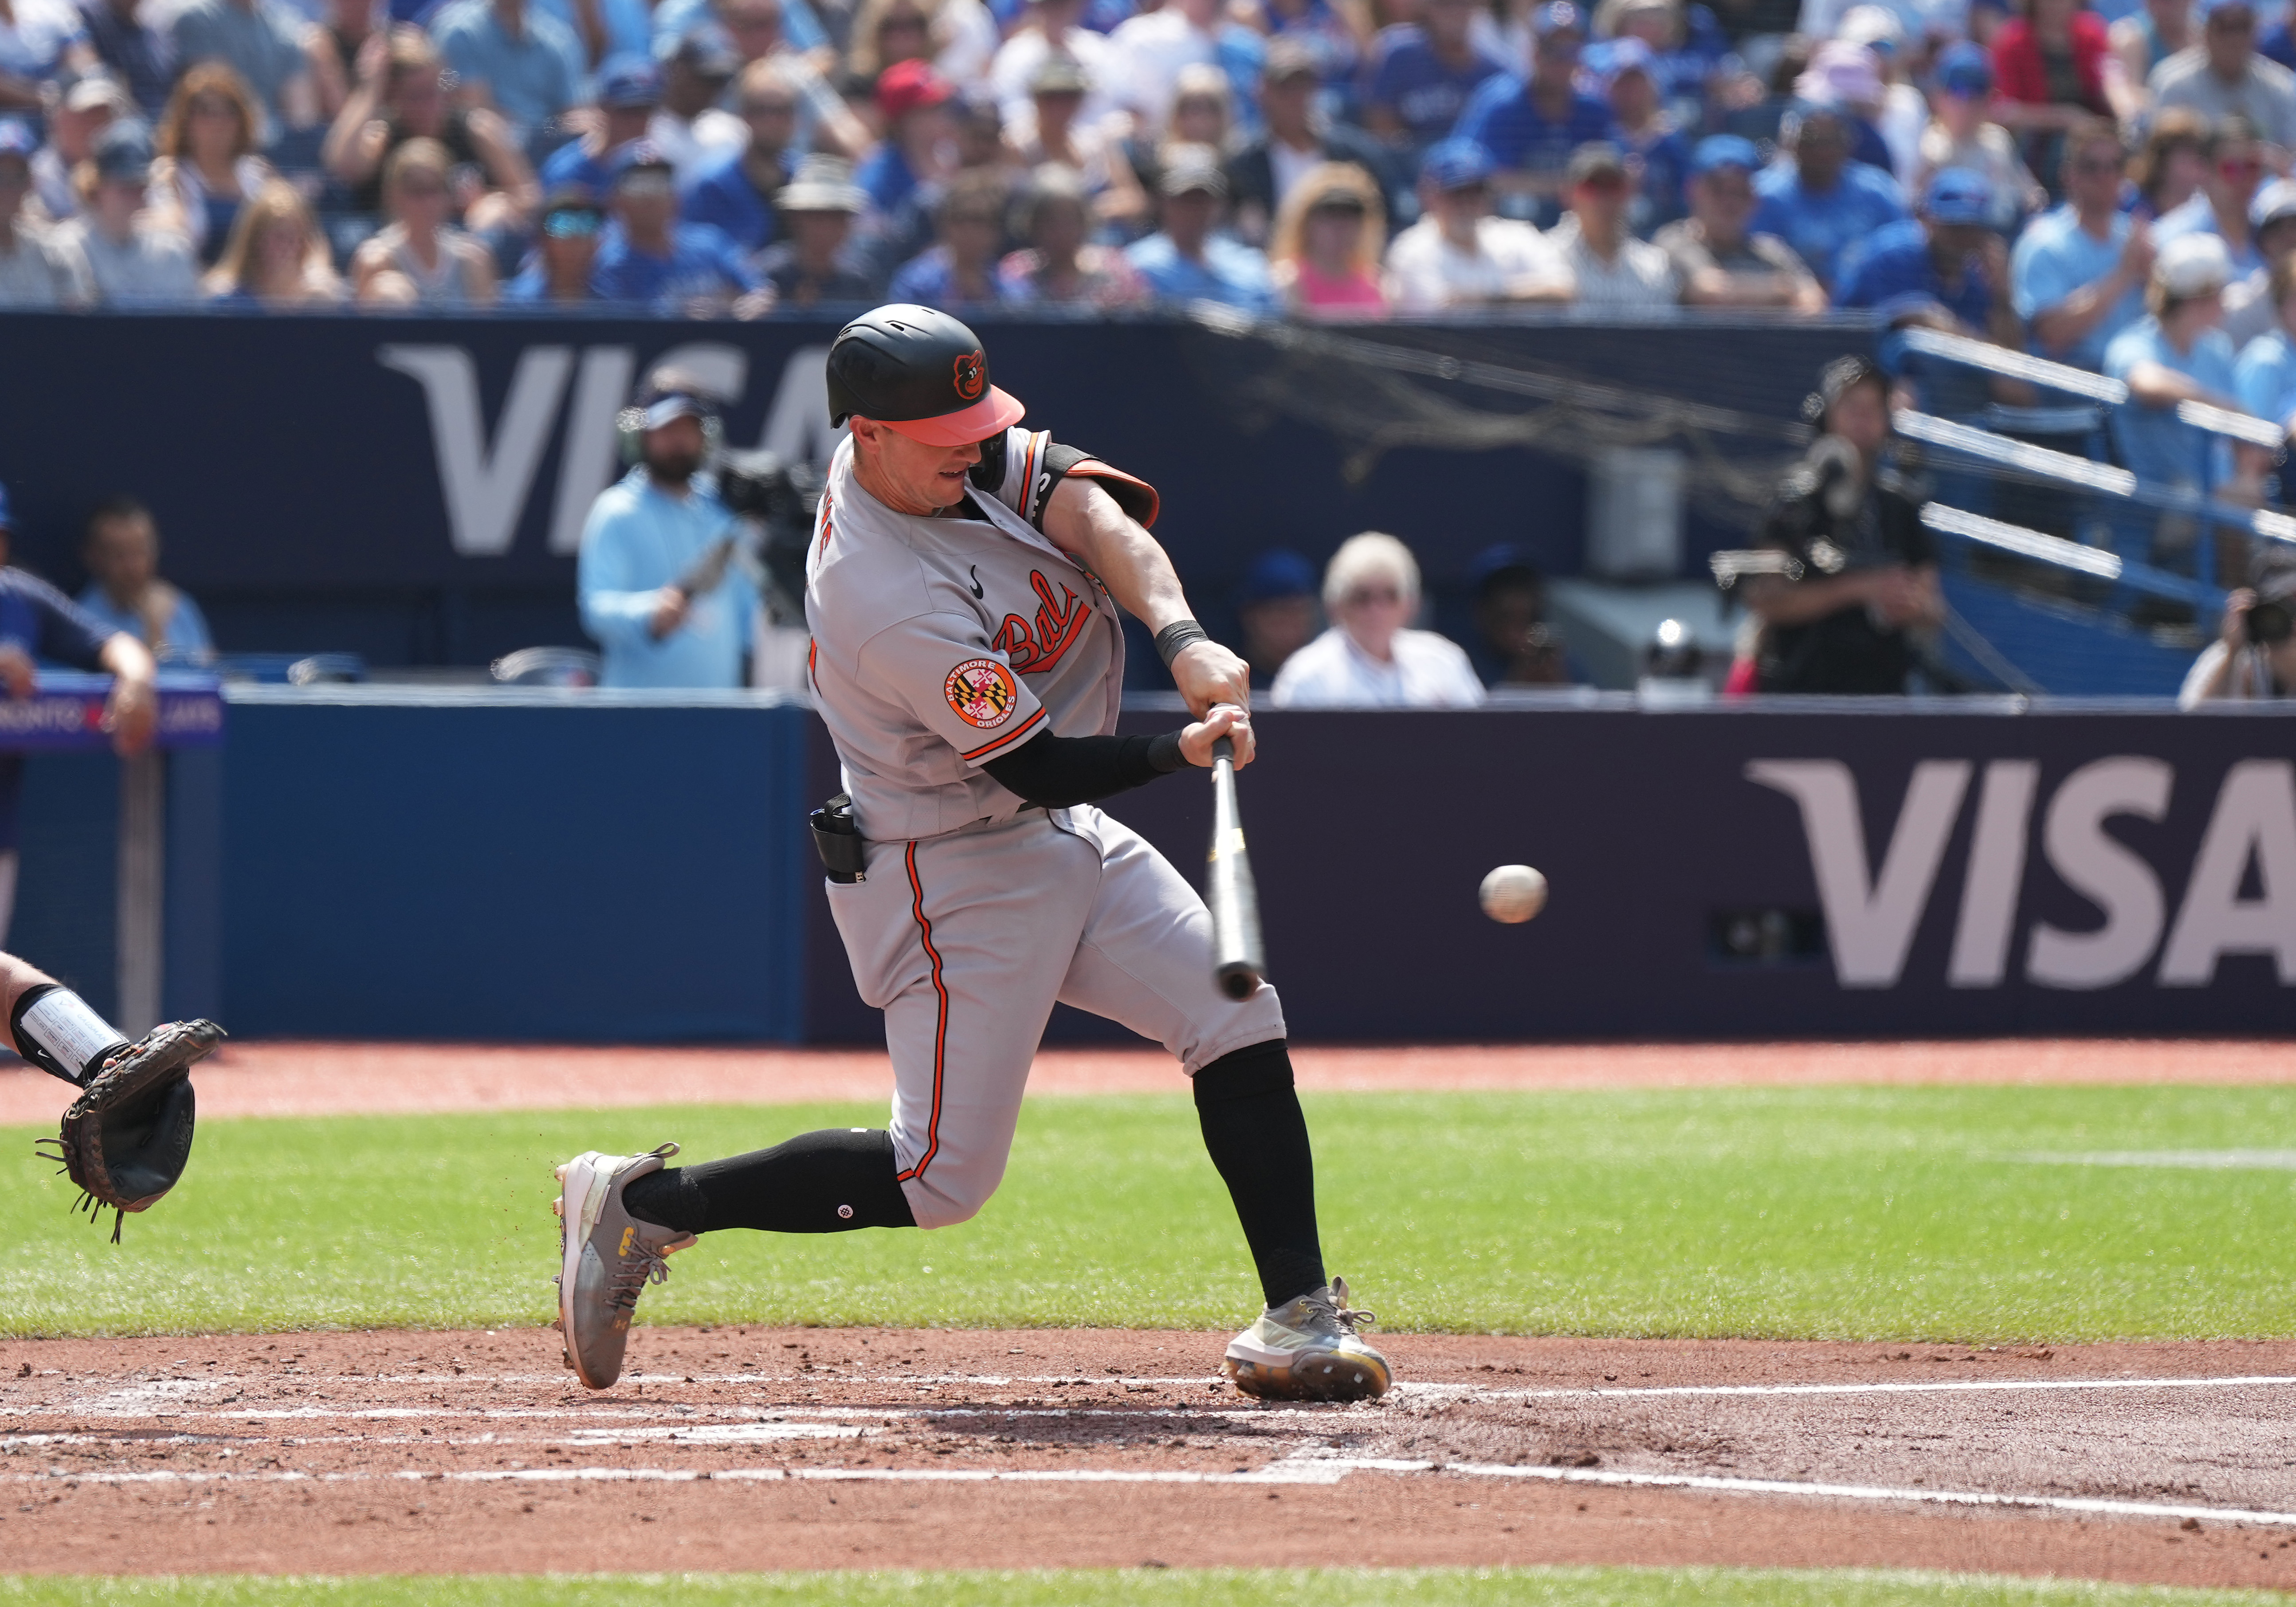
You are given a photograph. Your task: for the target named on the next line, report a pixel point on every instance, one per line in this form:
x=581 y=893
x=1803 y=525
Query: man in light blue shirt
x=1187 y=261
x=2176 y=354
x=121 y=550
x=2078 y=275
x=656 y=589
x=527 y=63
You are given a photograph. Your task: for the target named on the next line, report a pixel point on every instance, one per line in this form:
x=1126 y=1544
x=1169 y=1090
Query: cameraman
x=2255 y=654
x=659 y=589
x=1868 y=571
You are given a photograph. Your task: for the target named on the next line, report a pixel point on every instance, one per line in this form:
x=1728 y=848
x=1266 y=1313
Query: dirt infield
x=333 y=1078
x=742 y=1448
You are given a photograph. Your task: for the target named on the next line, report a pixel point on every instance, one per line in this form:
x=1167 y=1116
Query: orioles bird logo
x=972 y=374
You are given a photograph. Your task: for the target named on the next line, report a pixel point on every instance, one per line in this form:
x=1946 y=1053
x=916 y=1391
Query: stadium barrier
x=540 y=865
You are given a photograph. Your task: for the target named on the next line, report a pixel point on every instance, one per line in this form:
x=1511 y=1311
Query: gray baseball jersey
x=938 y=645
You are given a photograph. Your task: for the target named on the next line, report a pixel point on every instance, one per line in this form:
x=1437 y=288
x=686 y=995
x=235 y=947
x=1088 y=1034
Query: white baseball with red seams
x=940 y=644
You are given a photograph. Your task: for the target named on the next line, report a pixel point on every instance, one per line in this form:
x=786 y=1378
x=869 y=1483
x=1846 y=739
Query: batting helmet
x=919 y=372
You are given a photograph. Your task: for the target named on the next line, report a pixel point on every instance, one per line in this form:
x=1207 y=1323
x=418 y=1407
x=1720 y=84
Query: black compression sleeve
x=1058 y=771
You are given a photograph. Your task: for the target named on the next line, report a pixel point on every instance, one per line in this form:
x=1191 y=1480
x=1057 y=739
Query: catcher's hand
x=128 y=1137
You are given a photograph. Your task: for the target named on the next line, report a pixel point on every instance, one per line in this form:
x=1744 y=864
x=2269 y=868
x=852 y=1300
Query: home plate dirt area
x=735 y=1448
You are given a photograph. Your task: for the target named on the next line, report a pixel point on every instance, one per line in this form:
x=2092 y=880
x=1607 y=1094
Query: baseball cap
x=904 y=87
x=821 y=183
x=1504 y=559
x=1555 y=17
x=1058 y=75
x=637 y=157
x=2193 y=265
x=1718 y=151
x=1963 y=68
x=2276 y=200
x=123 y=152
x=1288 y=58
x=1191 y=168
x=17 y=139
x=1840 y=74
x=98 y=89
x=671 y=394
x=1595 y=159
x=706 y=48
x=1612 y=57
x=1278 y=572
x=1875 y=27
x=1455 y=164
x=1957 y=195
x=628 y=82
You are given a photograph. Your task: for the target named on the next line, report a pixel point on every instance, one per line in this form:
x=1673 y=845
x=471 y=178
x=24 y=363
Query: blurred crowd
x=2013 y=176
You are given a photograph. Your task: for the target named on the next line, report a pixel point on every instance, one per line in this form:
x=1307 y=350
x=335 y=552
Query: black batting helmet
x=921 y=371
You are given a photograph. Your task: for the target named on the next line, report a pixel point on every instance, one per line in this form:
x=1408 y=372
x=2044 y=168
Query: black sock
x=1258 y=1138
x=828 y=1181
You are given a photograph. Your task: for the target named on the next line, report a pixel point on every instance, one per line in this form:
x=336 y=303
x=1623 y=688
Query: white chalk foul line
x=1935 y=1387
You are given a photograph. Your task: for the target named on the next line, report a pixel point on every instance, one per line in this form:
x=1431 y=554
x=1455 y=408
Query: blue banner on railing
x=65 y=714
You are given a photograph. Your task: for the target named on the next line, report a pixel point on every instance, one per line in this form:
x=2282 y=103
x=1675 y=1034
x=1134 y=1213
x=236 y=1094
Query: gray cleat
x=606 y=1258
x=1307 y=1350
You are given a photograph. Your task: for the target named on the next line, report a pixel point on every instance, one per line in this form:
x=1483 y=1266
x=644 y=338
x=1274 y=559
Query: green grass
x=1177 y=1587
x=1833 y=1212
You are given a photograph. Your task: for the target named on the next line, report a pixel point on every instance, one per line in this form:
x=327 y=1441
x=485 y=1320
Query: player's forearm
x=1059 y=771
x=127 y=658
x=1083 y=520
x=17 y=979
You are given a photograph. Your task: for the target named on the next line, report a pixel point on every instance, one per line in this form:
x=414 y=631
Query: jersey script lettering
x=1058 y=626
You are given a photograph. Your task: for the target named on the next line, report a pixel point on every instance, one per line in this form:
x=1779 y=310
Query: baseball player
x=963 y=587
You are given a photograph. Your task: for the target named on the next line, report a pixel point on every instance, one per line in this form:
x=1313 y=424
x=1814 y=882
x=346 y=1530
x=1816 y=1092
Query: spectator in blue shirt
x=1531 y=125
x=1421 y=74
x=629 y=88
x=734 y=192
x=565 y=252
x=1945 y=257
x=1187 y=261
x=959 y=274
x=2219 y=206
x=525 y=64
x=1657 y=155
x=120 y=548
x=649 y=258
x=655 y=592
x=2266 y=373
x=2174 y=354
x=2078 y=275
x=1820 y=200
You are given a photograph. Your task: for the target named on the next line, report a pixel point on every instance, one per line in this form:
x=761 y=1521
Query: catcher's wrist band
x=1179 y=633
x=55 y=1029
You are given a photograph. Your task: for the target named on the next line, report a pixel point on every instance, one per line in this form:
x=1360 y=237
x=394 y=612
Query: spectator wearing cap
x=1458 y=255
x=514 y=59
x=1960 y=135
x=1819 y=200
x=1275 y=606
x=1053 y=31
x=1054 y=133
x=689 y=127
x=2049 y=67
x=640 y=570
x=401 y=96
x=1421 y=75
x=1513 y=645
x=1061 y=265
x=2224 y=76
x=1370 y=658
x=1187 y=259
x=816 y=264
x=1530 y=124
x=206 y=167
x=2250 y=308
x=1323 y=257
x=120 y=547
x=261 y=41
x=1658 y=157
x=144 y=57
x=134 y=258
x=652 y=259
x=2219 y=206
x=1153 y=46
x=85 y=111
x=2150 y=35
x=959 y=272
x=1901 y=113
x=565 y=253
x=36 y=269
x=2176 y=353
x=2079 y=273
x=734 y=192
x=419 y=257
x=1609 y=266
x=913 y=100
x=1945 y=257
x=629 y=90
x=1292 y=143
x=1719 y=261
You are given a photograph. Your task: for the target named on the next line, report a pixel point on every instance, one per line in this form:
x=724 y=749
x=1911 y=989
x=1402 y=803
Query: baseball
x=1513 y=893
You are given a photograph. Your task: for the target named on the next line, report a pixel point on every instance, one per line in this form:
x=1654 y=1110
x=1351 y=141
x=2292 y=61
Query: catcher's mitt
x=128 y=1137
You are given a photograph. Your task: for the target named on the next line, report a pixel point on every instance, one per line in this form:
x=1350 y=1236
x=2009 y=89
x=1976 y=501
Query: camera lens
x=2270 y=623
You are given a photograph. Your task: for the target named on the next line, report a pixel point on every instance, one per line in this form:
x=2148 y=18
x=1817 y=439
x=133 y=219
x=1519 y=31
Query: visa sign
x=1874 y=909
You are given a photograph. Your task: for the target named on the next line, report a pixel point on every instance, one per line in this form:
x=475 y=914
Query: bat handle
x=1223 y=750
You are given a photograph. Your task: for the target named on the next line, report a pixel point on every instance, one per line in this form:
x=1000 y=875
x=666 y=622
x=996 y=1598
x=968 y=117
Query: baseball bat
x=1239 y=960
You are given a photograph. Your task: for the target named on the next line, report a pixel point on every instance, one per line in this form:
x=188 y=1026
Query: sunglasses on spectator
x=770 y=109
x=573 y=222
x=1338 y=205
x=2231 y=22
x=1385 y=596
x=2097 y=166
x=1604 y=184
x=653 y=185
x=421 y=189
x=901 y=25
x=207 y=106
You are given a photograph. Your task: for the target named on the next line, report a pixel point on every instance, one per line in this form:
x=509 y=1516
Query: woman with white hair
x=1369 y=658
